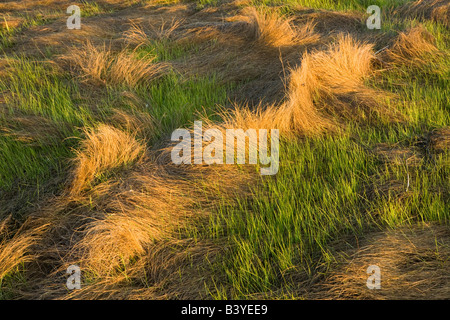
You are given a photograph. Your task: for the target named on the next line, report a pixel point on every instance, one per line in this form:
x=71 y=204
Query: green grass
x=286 y=226
x=176 y=102
x=9 y=282
x=37 y=89
x=321 y=193
x=204 y=3
x=331 y=188
x=327 y=188
x=344 y=5
x=34 y=90
x=166 y=50
x=89 y=9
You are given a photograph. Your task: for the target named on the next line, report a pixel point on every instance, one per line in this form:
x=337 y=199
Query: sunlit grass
x=328 y=188
x=337 y=188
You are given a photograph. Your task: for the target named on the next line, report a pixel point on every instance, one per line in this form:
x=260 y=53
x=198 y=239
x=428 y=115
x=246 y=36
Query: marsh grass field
x=86 y=179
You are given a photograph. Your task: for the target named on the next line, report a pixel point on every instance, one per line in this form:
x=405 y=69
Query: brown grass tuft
x=414 y=47
x=103 y=149
x=16 y=250
x=332 y=81
x=148 y=210
x=138 y=35
x=436 y=10
x=398 y=155
x=339 y=71
x=147 y=206
x=414 y=265
x=329 y=22
x=326 y=83
x=271 y=30
x=102 y=66
x=140 y=123
x=290 y=119
x=440 y=140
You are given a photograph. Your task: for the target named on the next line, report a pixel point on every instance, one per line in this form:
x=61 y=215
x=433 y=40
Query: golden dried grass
x=102 y=66
x=339 y=70
x=440 y=140
x=150 y=206
x=103 y=149
x=9 y=23
x=167 y=29
x=129 y=215
x=414 y=48
x=136 y=214
x=119 y=225
x=272 y=30
x=335 y=79
x=147 y=212
x=413 y=263
x=138 y=35
x=16 y=249
x=168 y=271
x=326 y=81
x=140 y=123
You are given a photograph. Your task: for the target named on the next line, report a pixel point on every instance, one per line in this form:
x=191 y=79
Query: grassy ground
x=362 y=160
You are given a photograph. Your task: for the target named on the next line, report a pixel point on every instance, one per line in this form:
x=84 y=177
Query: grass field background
x=221 y=232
